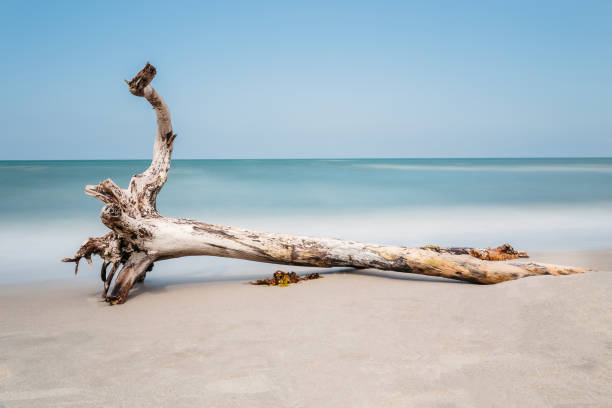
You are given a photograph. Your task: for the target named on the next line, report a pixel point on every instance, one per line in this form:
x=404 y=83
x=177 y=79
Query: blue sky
x=288 y=79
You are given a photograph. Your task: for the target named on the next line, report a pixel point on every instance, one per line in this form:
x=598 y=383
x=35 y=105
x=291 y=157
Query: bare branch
x=145 y=187
x=141 y=80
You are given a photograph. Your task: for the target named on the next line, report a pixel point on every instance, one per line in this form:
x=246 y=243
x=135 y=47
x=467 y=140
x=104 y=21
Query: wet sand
x=354 y=338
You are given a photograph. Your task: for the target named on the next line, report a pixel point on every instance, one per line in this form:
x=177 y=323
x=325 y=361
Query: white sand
x=358 y=339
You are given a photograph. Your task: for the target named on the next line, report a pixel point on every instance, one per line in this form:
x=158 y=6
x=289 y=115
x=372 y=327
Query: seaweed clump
x=281 y=278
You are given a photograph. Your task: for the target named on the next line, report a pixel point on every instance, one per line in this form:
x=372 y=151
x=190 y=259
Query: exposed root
x=281 y=278
x=106 y=247
x=143 y=275
x=103 y=271
x=137 y=264
x=112 y=250
x=109 y=278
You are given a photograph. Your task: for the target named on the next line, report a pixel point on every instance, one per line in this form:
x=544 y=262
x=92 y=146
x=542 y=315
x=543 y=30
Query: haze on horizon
x=280 y=80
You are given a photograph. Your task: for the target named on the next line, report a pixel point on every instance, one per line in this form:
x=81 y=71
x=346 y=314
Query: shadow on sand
x=159 y=284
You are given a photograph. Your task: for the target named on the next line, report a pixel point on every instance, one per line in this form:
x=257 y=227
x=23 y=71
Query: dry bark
x=140 y=236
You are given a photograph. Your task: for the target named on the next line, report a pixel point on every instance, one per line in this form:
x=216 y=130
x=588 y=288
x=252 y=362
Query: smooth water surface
x=533 y=203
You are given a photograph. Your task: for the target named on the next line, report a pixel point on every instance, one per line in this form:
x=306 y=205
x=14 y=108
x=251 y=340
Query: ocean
x=534 y=204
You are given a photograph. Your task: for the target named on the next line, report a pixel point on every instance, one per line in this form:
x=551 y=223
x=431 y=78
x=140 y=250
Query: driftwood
x=141 y=236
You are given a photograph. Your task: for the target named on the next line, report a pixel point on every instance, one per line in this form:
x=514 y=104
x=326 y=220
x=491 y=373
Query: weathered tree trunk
x=140 y=236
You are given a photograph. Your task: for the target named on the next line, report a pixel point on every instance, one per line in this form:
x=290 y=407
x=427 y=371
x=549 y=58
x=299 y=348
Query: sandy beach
x=185 y=149
x=354 y=338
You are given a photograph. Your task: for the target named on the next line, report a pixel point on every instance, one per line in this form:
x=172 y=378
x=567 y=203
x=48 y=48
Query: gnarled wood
x=133 y=269
x=140 y=236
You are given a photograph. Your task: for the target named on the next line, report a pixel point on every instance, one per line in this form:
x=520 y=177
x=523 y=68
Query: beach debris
x=141 y=236
x=281 y=278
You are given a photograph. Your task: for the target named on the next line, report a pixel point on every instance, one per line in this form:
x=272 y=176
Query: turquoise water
x=537 y=203
x=51 y=189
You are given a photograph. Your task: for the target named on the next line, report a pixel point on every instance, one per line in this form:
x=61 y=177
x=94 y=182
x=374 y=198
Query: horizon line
x=332 y=158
